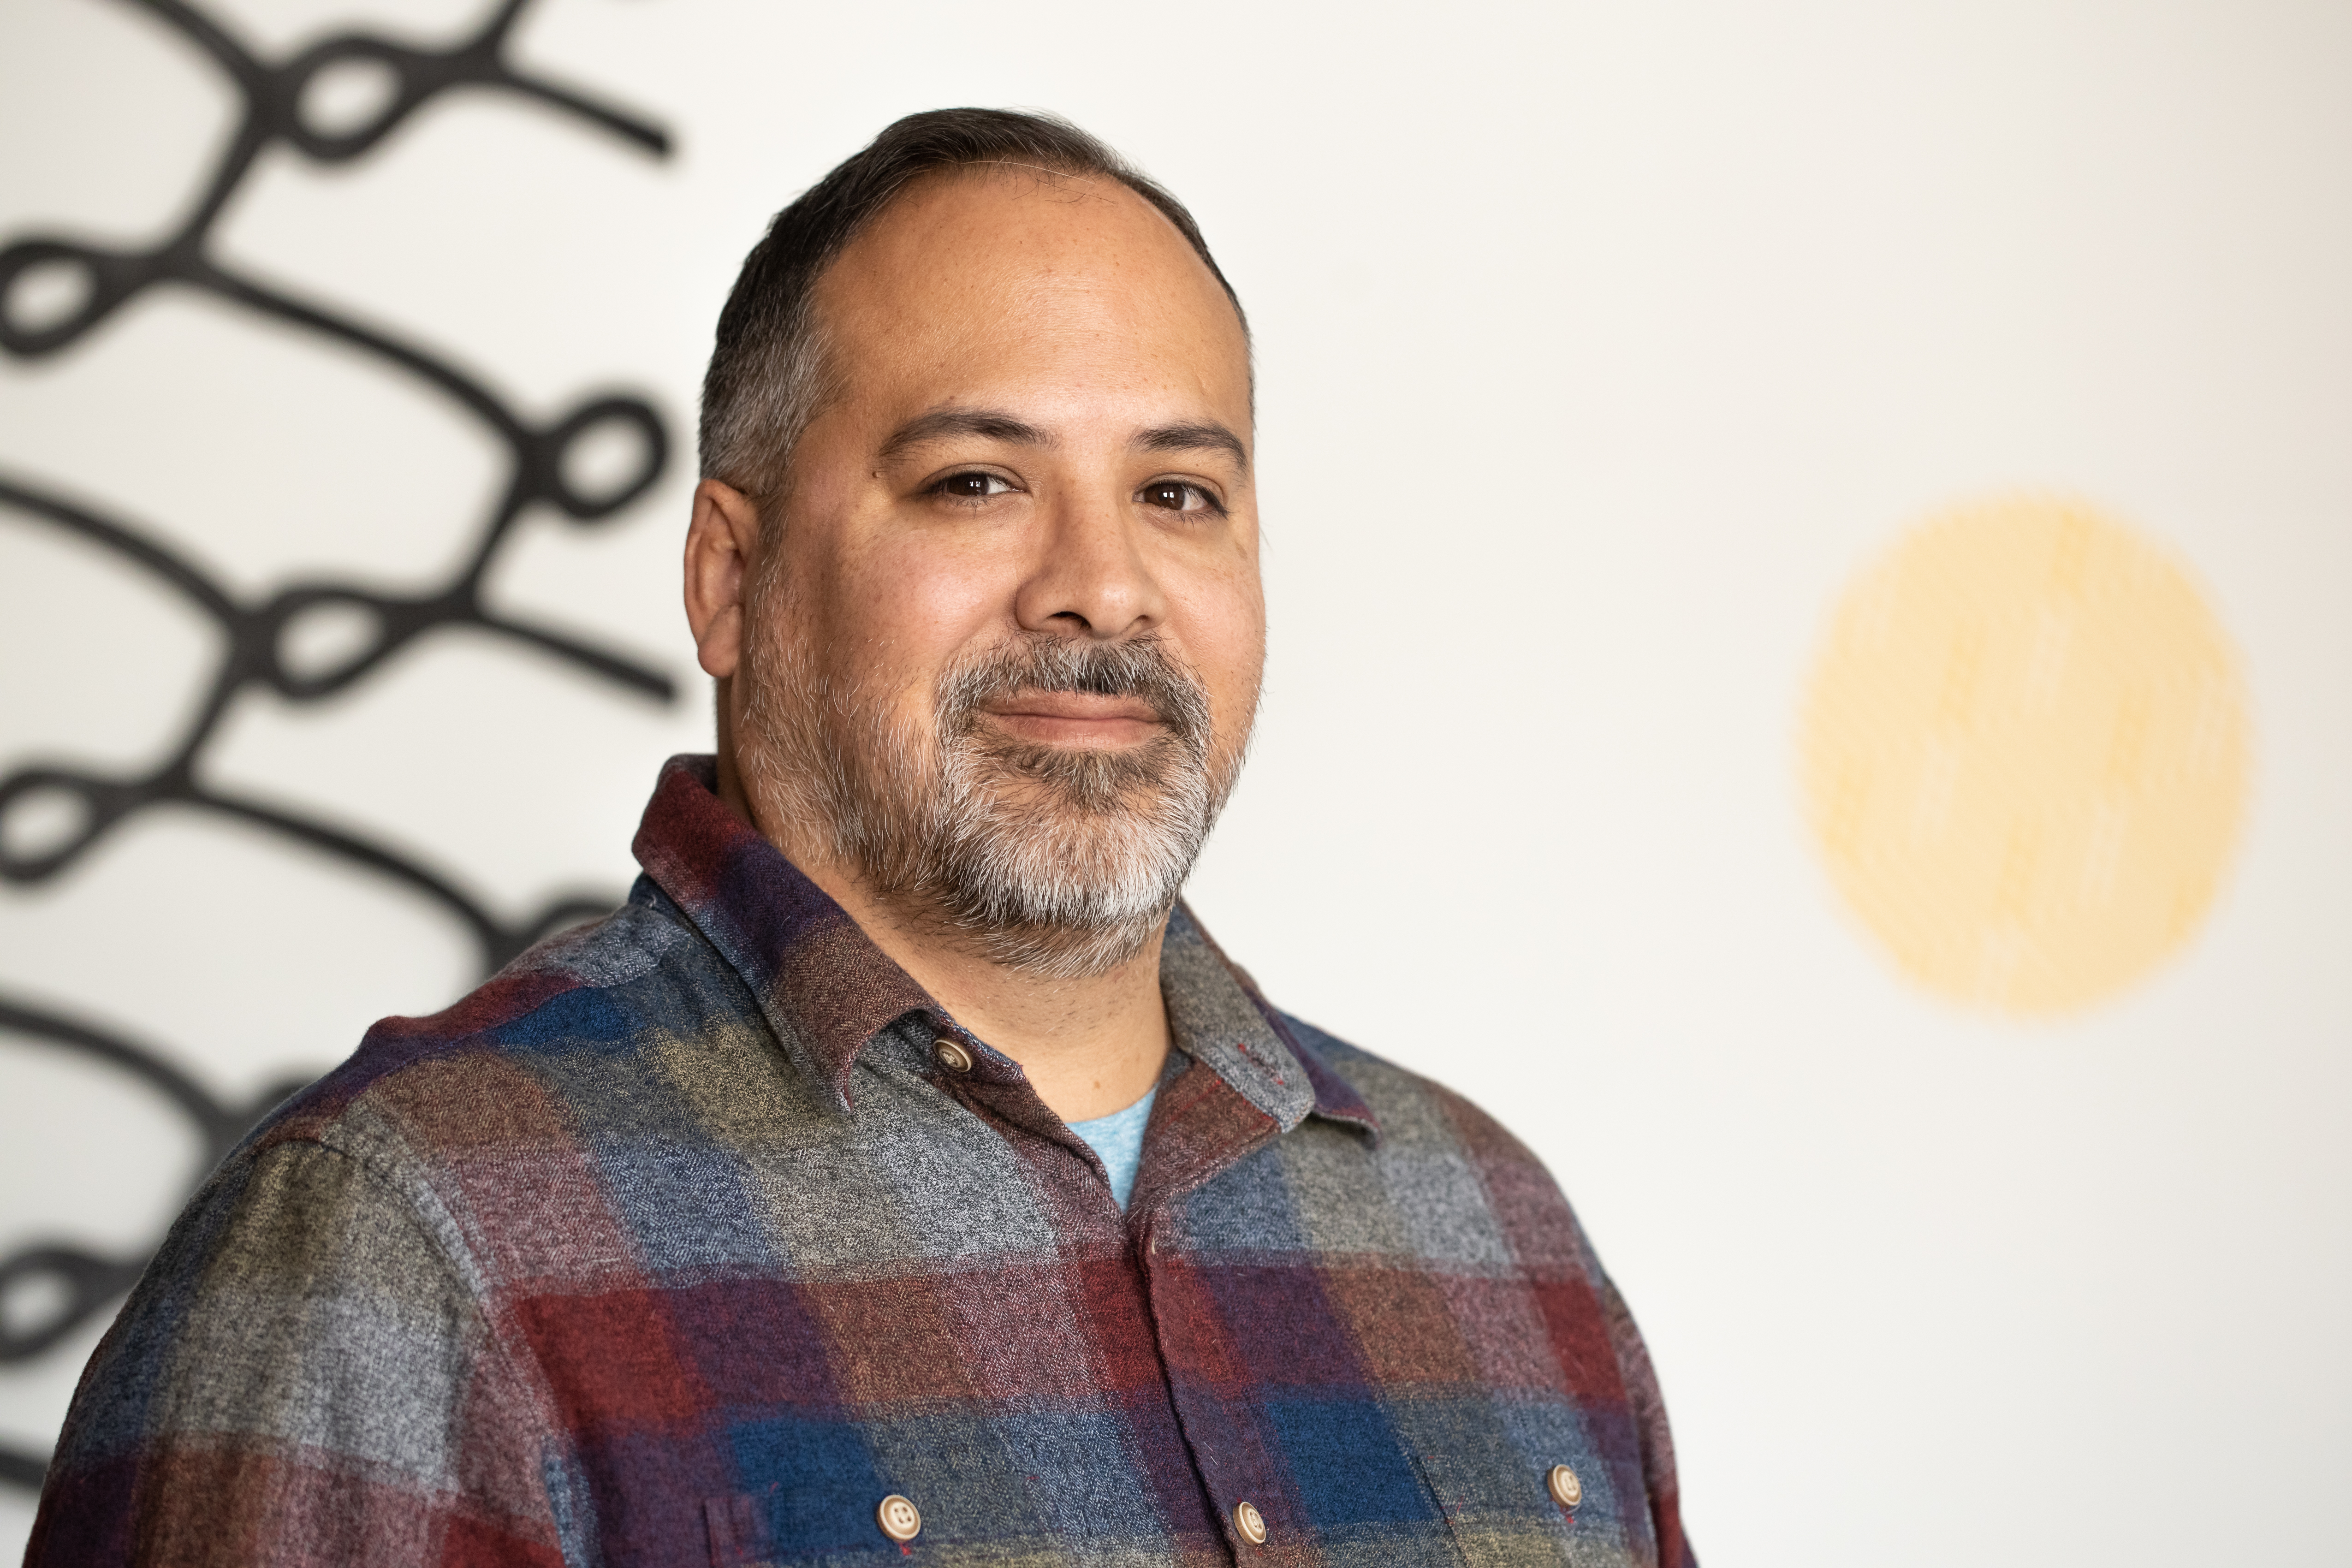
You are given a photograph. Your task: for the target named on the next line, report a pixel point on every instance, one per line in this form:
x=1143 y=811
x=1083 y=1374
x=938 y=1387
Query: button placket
x=1233 y=1454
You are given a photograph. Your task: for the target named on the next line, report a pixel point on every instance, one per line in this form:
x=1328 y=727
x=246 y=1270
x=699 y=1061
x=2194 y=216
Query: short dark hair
x=767 y=374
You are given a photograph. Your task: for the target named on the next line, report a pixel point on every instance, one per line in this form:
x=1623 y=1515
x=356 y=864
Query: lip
x=1075 y=718
x=1083 y=707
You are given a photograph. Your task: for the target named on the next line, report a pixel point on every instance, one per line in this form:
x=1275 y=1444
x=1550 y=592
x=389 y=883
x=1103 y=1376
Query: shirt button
x=900 y=1520
x=1250 y=1522
x=951 y=1056
x=1565 y=1489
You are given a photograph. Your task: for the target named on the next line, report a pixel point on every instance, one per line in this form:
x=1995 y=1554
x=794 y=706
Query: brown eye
x=1175 y=495
x=971 y=487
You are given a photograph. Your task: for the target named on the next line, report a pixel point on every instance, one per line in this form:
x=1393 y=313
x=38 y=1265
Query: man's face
x=1004 y=633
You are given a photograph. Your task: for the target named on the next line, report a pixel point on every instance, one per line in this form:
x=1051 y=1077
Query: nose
x=1091 y=576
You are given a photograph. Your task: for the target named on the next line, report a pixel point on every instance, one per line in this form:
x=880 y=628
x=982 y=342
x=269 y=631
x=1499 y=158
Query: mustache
x=1141 y=667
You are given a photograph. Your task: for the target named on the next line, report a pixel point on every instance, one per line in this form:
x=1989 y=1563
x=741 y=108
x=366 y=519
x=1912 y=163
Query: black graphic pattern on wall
x=308 y=639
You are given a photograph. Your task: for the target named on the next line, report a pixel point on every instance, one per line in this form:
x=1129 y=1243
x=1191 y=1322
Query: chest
x=1164 y=1396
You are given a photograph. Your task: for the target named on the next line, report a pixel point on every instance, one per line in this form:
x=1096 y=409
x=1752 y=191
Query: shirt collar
x=1220 y=1018
x=826 y=990
x=824 y=987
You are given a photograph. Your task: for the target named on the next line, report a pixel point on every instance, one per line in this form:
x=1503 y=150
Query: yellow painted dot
x=2026 y=754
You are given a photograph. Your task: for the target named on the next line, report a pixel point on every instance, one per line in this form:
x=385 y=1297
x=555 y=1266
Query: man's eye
x=971 y=487
x=1175 y=495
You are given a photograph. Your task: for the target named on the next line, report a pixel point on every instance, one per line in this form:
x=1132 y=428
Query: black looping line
x=261 y=641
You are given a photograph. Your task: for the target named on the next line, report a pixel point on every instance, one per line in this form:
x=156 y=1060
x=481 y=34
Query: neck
x=1090 y=1047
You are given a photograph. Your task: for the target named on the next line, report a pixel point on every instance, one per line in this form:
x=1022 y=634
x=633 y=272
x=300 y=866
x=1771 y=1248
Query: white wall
x=1600 y=348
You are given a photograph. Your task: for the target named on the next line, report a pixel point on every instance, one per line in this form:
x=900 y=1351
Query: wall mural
x=333 y=102
x=2026 y=754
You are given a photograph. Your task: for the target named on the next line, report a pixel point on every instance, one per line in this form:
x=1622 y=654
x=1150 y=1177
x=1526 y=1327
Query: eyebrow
x=995 y=424
x=1207 y=437
x=990 y=423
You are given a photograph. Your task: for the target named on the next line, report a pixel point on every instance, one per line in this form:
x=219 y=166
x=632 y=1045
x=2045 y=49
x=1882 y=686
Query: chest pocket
x=1504 y=1513
x=753 y=1530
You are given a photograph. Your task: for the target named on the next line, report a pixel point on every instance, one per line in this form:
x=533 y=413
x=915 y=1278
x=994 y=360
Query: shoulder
x=476 y=1073
x=398 y=1178
x=1438 y=1135
x=1395 y=1092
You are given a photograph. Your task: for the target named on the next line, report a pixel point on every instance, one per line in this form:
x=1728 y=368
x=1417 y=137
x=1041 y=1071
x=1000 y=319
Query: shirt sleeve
x=302 y=1377
x=1649 y=1408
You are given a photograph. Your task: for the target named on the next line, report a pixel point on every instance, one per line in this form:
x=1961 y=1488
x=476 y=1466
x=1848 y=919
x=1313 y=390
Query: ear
x=721 y=543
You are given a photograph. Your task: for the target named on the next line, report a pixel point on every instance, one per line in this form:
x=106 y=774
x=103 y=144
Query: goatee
x=1057 y=861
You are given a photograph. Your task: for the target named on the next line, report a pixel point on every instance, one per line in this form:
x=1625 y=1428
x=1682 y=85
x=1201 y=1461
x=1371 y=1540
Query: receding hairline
x=768 y=373
x=820 y=339
x=1105 y=186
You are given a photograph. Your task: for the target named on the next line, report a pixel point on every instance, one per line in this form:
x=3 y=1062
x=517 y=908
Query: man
x=785 y=1217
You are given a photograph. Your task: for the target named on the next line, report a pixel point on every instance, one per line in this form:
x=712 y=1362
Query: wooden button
x=1250 y=1522
x=1565 y=1489
x=951 y=1056
x=901 y=1521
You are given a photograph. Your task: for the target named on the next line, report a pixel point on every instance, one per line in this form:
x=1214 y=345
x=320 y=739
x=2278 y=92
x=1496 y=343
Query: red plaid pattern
x=672 y=1245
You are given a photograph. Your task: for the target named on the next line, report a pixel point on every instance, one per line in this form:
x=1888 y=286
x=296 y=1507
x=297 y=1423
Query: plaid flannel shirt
x=676 y=1243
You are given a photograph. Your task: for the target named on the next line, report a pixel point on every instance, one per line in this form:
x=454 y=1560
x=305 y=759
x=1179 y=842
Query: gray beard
x=1058 y=863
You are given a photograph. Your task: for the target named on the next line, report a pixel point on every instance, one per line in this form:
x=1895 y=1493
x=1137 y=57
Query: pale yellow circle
x=2026 y=754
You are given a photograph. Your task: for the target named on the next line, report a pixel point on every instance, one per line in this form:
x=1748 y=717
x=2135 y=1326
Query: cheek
x=903 y=612
x=1224 y=636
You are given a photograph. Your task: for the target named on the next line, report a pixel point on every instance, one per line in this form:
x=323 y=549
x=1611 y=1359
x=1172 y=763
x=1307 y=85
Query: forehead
x=1009 y=266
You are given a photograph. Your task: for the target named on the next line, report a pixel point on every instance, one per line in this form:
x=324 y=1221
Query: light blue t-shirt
x=1117 y=1141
